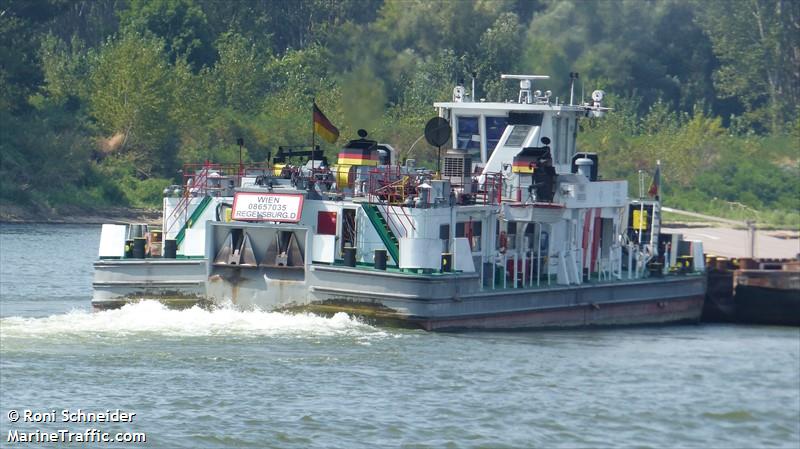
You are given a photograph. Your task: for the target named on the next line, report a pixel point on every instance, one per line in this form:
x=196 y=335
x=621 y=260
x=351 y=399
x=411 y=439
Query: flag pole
x=313 y=137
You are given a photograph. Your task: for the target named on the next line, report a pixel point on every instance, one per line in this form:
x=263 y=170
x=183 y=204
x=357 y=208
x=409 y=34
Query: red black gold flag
x=523 y=164
x=324 y=127
x=656 y=184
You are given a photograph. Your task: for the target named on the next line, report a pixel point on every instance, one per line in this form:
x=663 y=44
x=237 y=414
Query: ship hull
x=440 y=305
x=431 y=302
x=676 y=310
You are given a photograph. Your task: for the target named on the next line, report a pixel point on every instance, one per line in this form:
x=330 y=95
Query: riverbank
x=75 y=215
x=734 y=243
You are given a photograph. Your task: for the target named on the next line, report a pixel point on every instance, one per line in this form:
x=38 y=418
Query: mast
x=313 y=132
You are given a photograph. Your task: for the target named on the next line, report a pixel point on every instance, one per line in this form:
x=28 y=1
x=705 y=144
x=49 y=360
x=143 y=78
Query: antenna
x=525 y=84
x=581 y=91
x=474 y=95
x=572 y=77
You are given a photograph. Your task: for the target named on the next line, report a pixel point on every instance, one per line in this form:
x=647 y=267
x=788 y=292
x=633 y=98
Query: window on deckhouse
x=468 y=136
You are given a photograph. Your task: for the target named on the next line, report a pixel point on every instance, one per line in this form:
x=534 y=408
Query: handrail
x=183 y=204
x=492 y=183
x=389 y=218
x=196 y=184
x=410 y=221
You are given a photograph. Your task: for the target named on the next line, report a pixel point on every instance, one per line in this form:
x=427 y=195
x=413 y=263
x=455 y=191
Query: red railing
x=491 y=190
x=186 y=197
x=227 y=171
x=386 y=183
x=205 y=179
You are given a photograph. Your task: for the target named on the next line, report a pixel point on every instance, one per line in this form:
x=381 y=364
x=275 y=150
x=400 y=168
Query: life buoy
x=503 y=242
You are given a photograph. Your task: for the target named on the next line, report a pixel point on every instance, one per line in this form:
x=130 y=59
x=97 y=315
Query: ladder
x=384 y=231
x=196 y=213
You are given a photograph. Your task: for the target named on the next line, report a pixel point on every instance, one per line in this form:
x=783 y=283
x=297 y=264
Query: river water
x=229 y=378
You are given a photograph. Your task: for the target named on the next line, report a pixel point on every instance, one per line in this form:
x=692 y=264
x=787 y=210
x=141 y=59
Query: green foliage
x=101 y=101
x=181 y=24
x=497 y=53
x=130 y=95
x=758 y=45
x=239 y=73
x=65 y=66
x=704 y=168
x=363 y=97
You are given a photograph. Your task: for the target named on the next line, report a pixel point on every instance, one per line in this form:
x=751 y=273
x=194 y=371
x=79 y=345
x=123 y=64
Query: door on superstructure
x=348 y=229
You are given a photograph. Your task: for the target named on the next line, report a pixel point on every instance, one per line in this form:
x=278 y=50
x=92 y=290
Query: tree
x=758 y=45
x=240 y=72
x=499 y=52
x=130 y=96
x=65 y=68
x=182 y=24
x=364 y=98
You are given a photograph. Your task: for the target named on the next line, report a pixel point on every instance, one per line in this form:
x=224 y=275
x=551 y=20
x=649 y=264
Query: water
x=228 y=378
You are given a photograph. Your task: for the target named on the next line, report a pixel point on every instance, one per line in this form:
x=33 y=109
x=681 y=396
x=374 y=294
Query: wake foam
x=152 y=317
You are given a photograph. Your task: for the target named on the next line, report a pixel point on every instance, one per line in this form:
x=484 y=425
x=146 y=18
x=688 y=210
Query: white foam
x=152 y=317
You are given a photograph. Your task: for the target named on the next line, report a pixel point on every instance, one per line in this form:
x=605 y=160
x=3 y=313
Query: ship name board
x=254 y=206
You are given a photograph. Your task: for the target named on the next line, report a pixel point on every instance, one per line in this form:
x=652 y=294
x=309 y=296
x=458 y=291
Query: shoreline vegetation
x=112 y=215
x=102 y=102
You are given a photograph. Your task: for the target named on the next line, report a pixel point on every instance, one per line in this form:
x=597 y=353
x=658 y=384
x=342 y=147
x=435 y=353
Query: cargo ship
x=513 y=229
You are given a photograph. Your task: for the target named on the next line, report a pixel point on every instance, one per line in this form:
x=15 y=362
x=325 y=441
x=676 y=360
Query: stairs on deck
x=198 y=211
x=384 y=231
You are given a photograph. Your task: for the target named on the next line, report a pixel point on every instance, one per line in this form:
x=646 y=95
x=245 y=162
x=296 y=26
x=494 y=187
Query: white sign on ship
x=254 y=206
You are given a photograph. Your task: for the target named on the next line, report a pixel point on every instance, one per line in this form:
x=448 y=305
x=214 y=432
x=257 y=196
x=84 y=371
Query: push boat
x=515 y=230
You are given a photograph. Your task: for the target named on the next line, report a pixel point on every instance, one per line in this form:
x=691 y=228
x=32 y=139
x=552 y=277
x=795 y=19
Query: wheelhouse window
x=468 y=136
x=494 y=130
x=518 y=135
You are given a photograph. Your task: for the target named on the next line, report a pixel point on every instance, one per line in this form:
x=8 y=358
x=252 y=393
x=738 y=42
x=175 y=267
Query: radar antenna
x=525 y=84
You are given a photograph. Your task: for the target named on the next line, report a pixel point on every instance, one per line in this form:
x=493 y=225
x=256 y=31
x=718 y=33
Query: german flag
x=324 y=127
x=523 y=165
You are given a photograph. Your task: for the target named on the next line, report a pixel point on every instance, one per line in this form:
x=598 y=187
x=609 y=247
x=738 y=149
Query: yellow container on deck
x=640 y=219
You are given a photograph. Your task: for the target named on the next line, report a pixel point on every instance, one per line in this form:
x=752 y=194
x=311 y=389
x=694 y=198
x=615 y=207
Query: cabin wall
x=574 y=191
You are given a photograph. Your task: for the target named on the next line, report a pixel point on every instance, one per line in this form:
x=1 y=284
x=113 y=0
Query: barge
x=753 y=291
x=515 y=229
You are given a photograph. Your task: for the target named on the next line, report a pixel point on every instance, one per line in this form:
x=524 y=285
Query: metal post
x=539 y=256
x=240 y=142
x=516 y=269
x=751 y=236
x=630 y=261
x=474 y=95
x=505 y=271
x=571 y=87
x=438 y=164
x=313 y=132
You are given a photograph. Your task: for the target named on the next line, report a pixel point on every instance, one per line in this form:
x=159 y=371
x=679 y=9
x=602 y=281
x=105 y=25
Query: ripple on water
x=736 y=416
